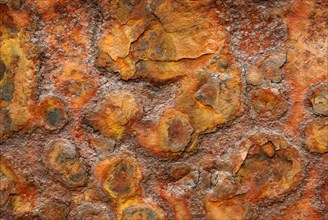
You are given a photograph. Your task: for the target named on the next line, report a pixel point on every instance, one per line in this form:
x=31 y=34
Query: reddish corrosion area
x=163 y=109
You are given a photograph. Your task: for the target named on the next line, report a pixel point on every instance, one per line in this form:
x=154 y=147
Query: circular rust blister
x=272 y=167
x=60 y=157
x=58 y=153
x=176 y=132
x=114 y=114
x=142 y=212
x=319 y=100
x=169 y=136
x=119 y=176
x=268 y=103
x=53 y=113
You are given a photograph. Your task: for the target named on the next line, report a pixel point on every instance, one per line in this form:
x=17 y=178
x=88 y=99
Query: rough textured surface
x=163 y=109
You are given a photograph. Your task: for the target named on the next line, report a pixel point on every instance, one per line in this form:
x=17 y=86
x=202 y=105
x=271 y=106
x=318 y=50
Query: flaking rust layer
x=163 y=109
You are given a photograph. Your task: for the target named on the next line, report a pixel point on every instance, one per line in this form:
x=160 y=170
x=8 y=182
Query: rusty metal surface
x=163 y=109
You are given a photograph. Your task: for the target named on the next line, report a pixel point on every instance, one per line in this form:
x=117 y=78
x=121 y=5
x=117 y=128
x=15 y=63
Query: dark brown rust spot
x=7 y=91
x=2 y=70
x=55 y=117
x=77 y=177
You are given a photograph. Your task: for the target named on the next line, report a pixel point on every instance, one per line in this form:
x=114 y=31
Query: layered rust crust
x=163 y=109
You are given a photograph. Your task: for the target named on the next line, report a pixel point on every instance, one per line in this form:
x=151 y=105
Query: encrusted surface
x=163 y=109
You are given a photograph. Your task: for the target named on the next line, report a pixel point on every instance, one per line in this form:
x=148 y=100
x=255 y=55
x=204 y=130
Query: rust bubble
x=179 y=133
x=53 y=113
x=271 y=168
x=319 y=100
x=121 y=182
x=119 y=176
x=53 y=211
x=268 y=103
x=60 y=157
x=141 y=212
